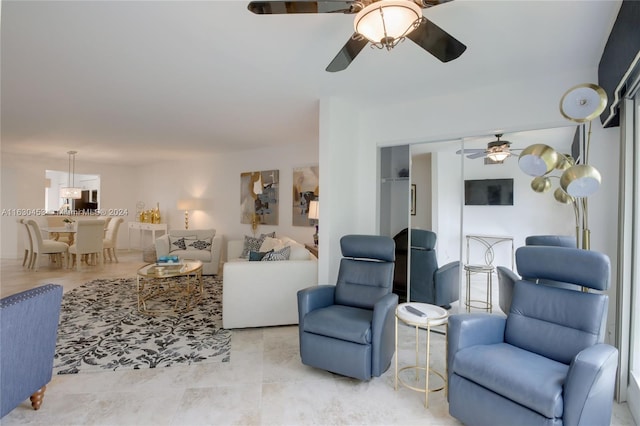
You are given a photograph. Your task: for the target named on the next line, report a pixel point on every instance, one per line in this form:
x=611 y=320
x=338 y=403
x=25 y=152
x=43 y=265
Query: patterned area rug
x=101 y=330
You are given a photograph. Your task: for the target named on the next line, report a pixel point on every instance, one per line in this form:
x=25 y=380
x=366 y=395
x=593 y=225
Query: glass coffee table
x=174 y=288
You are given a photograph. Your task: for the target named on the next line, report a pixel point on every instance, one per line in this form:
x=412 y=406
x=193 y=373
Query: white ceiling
x=136 y=81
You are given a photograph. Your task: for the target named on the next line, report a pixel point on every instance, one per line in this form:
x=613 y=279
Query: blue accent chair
x=545 y=363
x=29 y=328
x=507 y=278
x=429 y=283
x=348 y=328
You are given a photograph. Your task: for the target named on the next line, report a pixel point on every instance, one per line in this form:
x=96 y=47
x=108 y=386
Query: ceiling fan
x=497 y=151
x=383 y=23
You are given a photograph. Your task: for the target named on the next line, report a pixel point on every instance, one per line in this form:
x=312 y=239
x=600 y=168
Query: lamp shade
x=541 y=184
x=583 y=102
x=70 y=192
x=565 y=161
x=538 y=159
x=561 y=196
x=386 y=21
x=189 y=204
x=314 y=209
x=581 y=180
x=498 y=156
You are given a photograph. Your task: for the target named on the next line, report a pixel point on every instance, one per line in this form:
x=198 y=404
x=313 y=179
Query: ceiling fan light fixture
x=498 y=156
x=385 y=23
x=538 y=159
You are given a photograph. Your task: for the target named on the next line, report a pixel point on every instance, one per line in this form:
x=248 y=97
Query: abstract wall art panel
x=259 y=197
x=305 y=189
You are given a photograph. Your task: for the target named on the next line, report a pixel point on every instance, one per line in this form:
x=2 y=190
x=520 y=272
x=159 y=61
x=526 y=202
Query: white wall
x=23 y=187
x=511 y=106
x=216 y=179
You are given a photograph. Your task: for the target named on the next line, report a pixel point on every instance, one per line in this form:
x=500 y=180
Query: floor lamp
x=580 y=104
x=189 y=204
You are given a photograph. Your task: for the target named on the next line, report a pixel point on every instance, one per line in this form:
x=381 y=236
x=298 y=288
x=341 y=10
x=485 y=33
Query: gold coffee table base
x=153 y=288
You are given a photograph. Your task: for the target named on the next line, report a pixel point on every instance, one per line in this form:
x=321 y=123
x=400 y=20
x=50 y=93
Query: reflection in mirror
x=496 y=227
x=394 y=206
x=89 y=201
x=435 y=223
x=433 y=199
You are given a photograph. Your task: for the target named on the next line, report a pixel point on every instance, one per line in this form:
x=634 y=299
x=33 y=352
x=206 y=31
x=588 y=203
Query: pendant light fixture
x=71 y=191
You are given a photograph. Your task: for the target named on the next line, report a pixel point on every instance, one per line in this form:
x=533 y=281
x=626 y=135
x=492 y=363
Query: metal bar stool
x=488 y=242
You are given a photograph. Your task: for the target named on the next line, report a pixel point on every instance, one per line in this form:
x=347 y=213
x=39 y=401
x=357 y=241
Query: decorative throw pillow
x=200 y=244
x=251 y=244
x=282 y=254
x=257 y=255
x=180 y=243
x=271 y=244
x=270 y=235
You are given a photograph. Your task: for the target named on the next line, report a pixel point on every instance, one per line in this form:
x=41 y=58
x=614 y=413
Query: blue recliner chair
x=429 y=283
x=29 y=328
x=507 y=278
x=348 y=328
x=545 y=363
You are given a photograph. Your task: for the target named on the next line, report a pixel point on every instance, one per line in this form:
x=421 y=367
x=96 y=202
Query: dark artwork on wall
x=488 y=192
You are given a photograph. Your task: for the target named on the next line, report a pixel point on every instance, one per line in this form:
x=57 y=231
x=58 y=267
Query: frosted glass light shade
x=581 y=180
x=386 y=20
x=70 y=192
x=538 y=160
x=583 y=102
x=498 y=156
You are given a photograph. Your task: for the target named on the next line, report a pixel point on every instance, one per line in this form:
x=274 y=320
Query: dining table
x=55 y=231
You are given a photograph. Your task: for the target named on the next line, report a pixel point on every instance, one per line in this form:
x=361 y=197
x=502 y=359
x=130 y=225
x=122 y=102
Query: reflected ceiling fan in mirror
x=497 y=151
x=382 y=23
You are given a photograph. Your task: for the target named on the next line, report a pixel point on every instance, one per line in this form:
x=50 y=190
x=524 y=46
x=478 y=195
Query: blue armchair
x=545 y=363
x=507 y=278
x=429 y=283
x=29 y=329
x=348 y=328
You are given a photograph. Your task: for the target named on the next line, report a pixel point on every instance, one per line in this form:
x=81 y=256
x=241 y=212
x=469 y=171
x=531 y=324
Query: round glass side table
x=421 y=316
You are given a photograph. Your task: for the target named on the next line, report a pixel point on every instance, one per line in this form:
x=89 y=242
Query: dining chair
x=110 y=241
x=28 y=243
x=45 y=246
x=107 y=221
x=89 y=237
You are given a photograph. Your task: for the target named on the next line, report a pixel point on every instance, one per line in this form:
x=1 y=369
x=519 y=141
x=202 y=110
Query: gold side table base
x=426 y=324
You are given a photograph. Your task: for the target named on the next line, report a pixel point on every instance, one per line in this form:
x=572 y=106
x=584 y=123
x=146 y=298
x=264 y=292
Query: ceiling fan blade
x=477 y=155
x=469 y=151
x=437 y=41
x=347 y=54
x=284 y=7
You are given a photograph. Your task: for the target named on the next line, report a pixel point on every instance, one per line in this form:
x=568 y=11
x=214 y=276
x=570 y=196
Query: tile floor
x=263 y=384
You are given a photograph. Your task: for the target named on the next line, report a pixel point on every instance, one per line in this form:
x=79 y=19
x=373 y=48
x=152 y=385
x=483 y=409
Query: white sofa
x=210 y=256
x=260 y=293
